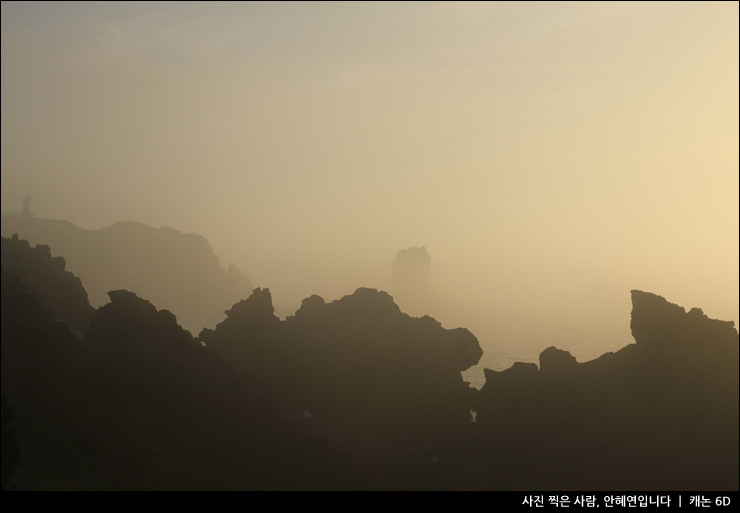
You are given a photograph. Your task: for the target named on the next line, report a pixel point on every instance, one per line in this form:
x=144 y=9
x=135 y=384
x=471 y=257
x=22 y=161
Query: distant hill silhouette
x=178 y=272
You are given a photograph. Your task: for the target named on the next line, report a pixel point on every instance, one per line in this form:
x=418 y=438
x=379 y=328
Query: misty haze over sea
x=536 y=151
x=444 y=188
x=179 y=272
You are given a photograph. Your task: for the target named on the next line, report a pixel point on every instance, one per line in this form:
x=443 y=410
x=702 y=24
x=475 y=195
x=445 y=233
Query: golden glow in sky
x=534 y=149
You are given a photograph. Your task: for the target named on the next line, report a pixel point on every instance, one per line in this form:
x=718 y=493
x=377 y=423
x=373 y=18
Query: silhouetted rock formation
x=554 y=361
x=690 y=342
x=411 y=271
x=177 y=271
x=358 y=362
x=200 y=411
x=141 y=405
x=658 y=414
x=410 y=280
x=59 y=291
x=374 y=399
x=74 y=429
x=251 y=339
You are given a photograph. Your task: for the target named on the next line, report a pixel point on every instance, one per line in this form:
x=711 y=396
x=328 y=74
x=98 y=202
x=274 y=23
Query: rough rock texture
x=691 y=342
x=374 y=400
x=554 y=361
x=141 y=405
x=200 y=412
x=74 y=428
x=358 y=360
x=58 y=290
x=658 y=414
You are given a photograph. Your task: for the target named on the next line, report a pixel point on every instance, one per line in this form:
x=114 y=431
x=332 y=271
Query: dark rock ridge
x=352 y=394
x=58 y=290
x=358 y=362
x=658 y=414
x=198 y=410
x=73 y=427
x=177 y=271
x=141 y=405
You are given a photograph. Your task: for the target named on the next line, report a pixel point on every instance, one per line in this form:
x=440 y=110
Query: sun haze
x=549 y=157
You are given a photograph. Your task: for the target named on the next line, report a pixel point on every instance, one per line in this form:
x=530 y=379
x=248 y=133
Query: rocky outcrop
x=554 y=361
x=358 y=360
x=662 y=412
x=202 y=413
x=251 y=339
x=141 y=405
x=354 y=394
x=74 y=428
x=691 y=342
x=58 y=290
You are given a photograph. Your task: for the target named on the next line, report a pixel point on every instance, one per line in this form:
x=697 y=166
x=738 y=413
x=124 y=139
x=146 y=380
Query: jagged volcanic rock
x=141 y=405
x=75 y=429
x=658 y=414
x=556 y=361
x=358 y=359
x=58 y=290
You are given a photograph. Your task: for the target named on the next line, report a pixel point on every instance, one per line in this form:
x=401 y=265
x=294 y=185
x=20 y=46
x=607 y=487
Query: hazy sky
x=534 y=149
